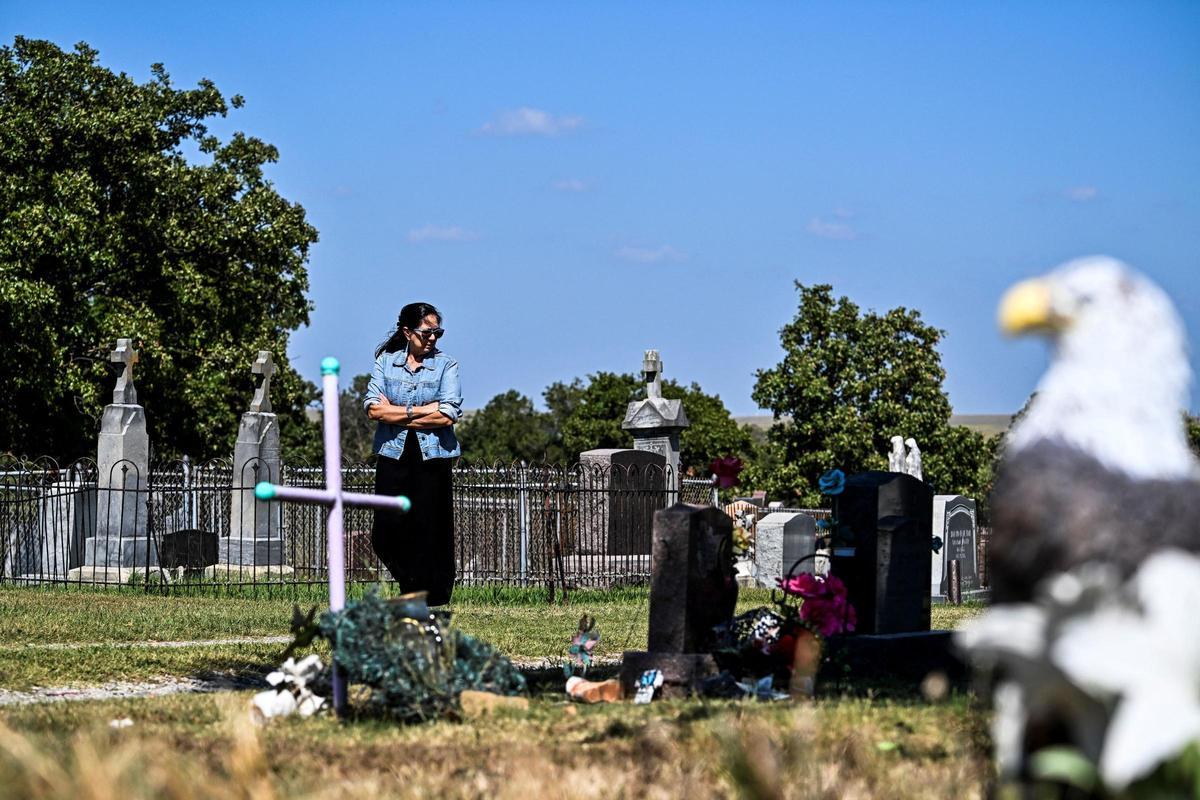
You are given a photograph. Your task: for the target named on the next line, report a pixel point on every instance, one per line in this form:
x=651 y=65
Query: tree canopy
x=587 y=415
x=111 y=230
x=849 y=380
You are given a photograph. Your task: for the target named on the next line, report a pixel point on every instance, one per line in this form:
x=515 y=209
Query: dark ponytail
x=411 y=317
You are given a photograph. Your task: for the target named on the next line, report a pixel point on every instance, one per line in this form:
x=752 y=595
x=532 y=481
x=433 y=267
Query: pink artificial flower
x=725 y=471
x=825 y=605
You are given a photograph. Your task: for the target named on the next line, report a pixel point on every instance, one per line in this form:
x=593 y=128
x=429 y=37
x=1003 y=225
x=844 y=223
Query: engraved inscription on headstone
x=959 y=543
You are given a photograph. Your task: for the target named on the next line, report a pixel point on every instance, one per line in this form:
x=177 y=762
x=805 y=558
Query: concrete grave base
x=682 y=672
x=250 y=552
x=900 y=657
x=120 y=552
x=110 y=575
x=245 y=572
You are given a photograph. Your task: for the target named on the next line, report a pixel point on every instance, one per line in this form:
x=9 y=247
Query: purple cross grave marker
x=332 y=496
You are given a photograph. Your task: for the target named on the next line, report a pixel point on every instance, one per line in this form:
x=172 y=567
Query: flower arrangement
x=824 y=606
x=291 y=691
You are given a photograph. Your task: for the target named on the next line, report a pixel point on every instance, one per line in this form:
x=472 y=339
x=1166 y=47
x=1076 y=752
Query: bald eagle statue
x=1098 y=468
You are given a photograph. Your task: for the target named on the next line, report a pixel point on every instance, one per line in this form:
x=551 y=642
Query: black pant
x=417 y=547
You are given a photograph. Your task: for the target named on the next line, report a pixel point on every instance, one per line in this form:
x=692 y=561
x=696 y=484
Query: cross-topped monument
x=656 y=422
x=652 y=371
x=262 y=395
x=125 y=394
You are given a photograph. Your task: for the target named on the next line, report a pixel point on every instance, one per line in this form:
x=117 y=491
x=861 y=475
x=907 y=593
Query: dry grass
x=201 y=747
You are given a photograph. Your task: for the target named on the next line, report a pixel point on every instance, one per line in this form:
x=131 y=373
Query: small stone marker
x=954 y=524
x=693 y=588
x=783 y=541
x=121 y=540
x=887 y=515
x=256 y=528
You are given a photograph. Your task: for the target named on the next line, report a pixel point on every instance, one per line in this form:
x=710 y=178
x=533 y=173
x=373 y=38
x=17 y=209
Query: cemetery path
x=118 y=645
x=118 y=690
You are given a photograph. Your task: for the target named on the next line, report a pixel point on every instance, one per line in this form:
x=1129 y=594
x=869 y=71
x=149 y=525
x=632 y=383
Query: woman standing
x=415 y=395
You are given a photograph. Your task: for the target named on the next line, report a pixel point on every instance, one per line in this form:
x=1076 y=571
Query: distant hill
x=987 y=424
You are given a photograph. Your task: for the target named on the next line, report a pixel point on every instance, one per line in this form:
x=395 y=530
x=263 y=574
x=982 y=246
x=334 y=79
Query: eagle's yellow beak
x=1027 y=307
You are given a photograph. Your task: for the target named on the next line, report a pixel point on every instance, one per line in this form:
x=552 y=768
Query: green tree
x=597 y=412
x=1193 y=432
x=358 y=430
x=507 y=429
x=111 y=231
x=848 y=382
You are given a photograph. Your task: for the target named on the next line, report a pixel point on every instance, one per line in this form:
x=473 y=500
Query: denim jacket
x=436 y=379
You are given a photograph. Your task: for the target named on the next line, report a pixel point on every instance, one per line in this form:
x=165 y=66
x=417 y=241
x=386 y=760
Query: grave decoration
x=1097 y=681
x=292 y=691
x=411 y=663
x=414 y=666
x=582 y=644
x=1093 y=560
x=780 y=645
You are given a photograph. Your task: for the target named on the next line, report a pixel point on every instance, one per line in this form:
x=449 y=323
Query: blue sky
x=574 y=183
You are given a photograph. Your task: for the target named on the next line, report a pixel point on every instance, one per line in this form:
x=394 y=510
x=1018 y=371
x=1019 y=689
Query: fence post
x=523 y=519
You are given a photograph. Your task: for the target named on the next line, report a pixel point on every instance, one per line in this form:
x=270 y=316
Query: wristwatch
x=408 y=410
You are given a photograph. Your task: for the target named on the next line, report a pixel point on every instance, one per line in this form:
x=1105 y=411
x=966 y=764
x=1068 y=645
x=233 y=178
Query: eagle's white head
x=1118 y=381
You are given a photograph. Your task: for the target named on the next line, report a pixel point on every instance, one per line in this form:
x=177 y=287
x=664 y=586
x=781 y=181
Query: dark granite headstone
x=621 y=491
x=954 y=522
x=888 y=515
x=190 y=549
x=693 y=588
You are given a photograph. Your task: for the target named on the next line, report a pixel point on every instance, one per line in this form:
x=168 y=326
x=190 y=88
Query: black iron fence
x=186 y=525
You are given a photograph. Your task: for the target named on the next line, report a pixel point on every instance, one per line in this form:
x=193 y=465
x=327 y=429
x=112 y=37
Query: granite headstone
x=886 y=567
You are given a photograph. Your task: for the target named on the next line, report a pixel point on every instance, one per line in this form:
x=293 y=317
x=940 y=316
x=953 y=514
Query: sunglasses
x=426 y=333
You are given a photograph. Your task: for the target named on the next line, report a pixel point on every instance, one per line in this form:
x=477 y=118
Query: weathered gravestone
x=656 y=422
x=255 y=538
x=784 y=543
x=886 y=516
x=121 y=540
x=954 y=528
x=620 y=491
x=692 y=589
x=66 y=518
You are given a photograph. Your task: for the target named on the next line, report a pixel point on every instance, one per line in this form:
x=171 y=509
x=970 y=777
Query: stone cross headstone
x=256 y=529
x=125 y=393
x=262 y=395
x=652 y=372
x=954 y=529
x=692 y=589
x=121 y=541
x=784 y=540
x=656 y=422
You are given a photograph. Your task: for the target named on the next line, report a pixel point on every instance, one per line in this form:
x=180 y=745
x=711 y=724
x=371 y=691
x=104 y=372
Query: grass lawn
x=200 y=746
